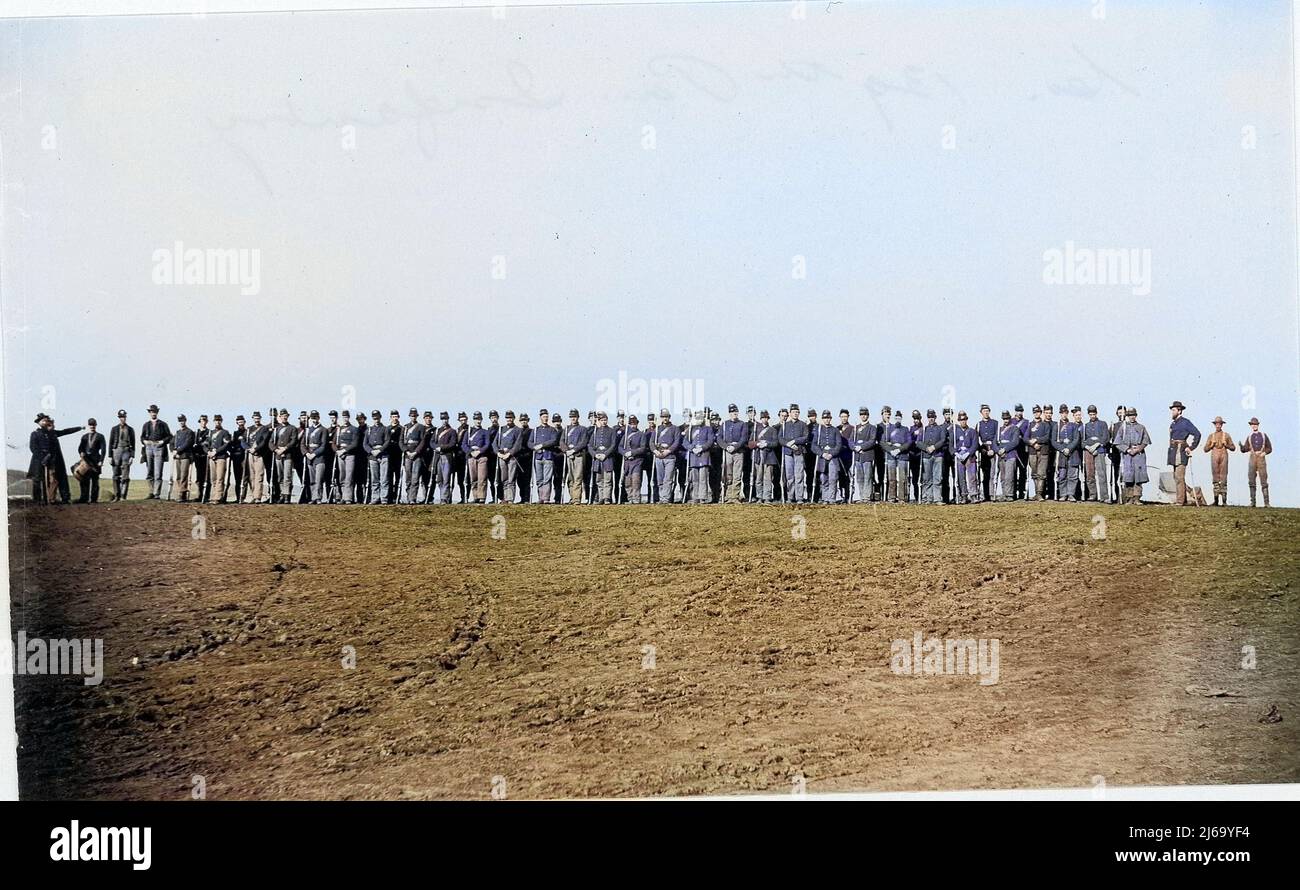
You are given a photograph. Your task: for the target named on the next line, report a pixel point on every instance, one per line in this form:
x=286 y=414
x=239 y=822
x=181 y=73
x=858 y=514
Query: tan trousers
x=256 y=478
x=217 y=469
x=182 y=473
x=1257 y=470
x=476 y=467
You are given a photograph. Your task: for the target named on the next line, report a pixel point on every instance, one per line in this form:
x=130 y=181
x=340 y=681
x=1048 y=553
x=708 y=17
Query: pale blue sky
x=774 y=137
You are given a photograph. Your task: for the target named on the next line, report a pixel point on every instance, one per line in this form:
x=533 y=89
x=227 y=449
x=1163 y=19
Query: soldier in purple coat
x=476 y=443
x=665 y=446
x=601 y=446
x=930 y=446
x=634 y=447
x=1022 y=453
x=863 y=444
x=965 y=453
x=1008 y=451
x=734 y=442
x=827 y=444
x=1067 y=438
x=987 y=432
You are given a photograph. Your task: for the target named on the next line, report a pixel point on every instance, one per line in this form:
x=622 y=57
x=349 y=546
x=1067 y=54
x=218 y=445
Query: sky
x=849 y=206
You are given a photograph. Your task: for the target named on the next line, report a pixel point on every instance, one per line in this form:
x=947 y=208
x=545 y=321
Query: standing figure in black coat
x=93 y=449
x=48 y=472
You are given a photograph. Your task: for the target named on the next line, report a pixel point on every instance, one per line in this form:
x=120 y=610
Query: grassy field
x=363 y=652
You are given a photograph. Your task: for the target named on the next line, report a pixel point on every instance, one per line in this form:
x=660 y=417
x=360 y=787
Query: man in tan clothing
x=1217 y=445
x=1259 y=448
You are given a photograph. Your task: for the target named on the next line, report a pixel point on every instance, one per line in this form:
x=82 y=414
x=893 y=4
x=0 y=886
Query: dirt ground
x=630 y=651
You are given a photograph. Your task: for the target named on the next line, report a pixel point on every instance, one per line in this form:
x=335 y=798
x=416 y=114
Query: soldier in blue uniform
x=863 y=442
x=218 y=456
x=1096 y=455
x=347 y=446
x=826 y=444
x=184 y=446
x=1022 y=451
x=794 y=436
x=734 y=442
x=601 y=445
x=258 y=460
x=1039 y=444
x=914 y=456
x=949 y=489
x=155 y=438
x=1184 y=437
x=966 y=460
x=930 y=446
x=898 y=452
x=1008 y=452
x=507 y=446
x=1066 y=442
x=882 y=435
x=767 y=444
x=699 y=458
x=284 y=444
x=634 y=447
x=576 y=437
x=316 y=447
x=413 y=439
x=395 y=432
x=376 y=445
x=1117 y=457
x=444 y=444
x=986 y=430
x=361 y=475
x=476 y=443
x=846 y=457
x=459 y=470
x=199 y=457
x=524 y=478
x=810 y=457
x=542 y=447
x=666 y=447
x=751 y=431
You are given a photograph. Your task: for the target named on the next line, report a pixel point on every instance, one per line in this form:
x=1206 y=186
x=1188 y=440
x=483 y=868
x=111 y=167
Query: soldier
x=651 y=461
x=458 y=466
x=347 y=446
x=863 y=441
x=542 y=448
x=683 y=431
x=218 y=456
x=395 y=435
x=155 y=437
x=949 y=489
x=284 y=448
x=882 y=435
x=767 y=444
x=414 y=436
x=1008 y=451
x=317 y=446
x=1050 y=492
x=635 y=446
x=92 y=448
x=1022 y=452
x=965 y=453
x=507 y=445
x=199 y=456
x=715 y=458
x=734 y=441
x=1067 y=437
x=666 y=446
x=332 y=494
x=524 y=476
x=557 y=458
x=424 y=495
x=826 y=444
x=1116 y=457
x=987 y=432
x=1217 y=445
x=589 y=479
x=898 y=449
x=1184 y=437
x=1133 y=442
x=376 y=443
x=1096 y=454
x=810 y=457
x=930 y=446
x=699 y=458
x=476 y=444
x=620 y=430
x=443 y=445
x=1257 y=448
x=239 y=456
x=914 y=456
x=794 y=439
x=361 y=478
x=601 y=446
x=576 y=438
x=494 y=430
x=121 y=449
x=782 y=417
x=258 y=446
x=751 y=431
x=1040 y=447
x=184 y=446
x=304 y=465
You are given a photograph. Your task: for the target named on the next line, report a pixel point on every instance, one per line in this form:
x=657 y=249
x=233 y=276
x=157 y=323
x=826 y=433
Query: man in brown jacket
x=1258 y=447
x=1217 y=445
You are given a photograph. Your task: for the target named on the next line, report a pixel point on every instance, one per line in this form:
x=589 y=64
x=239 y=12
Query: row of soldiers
x=703 y=459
